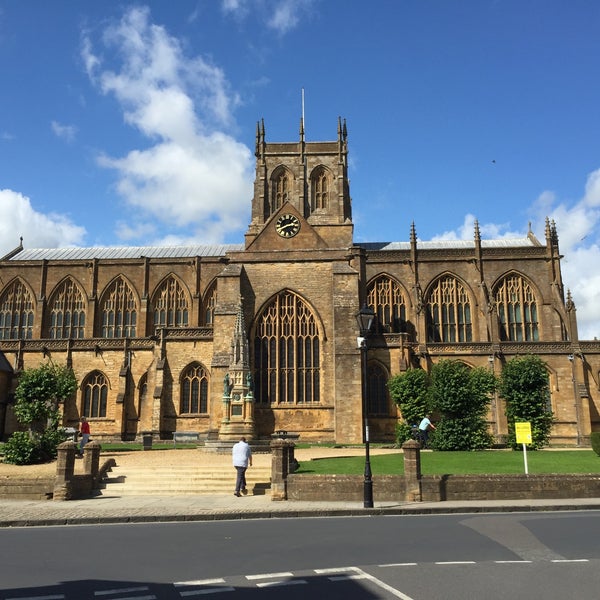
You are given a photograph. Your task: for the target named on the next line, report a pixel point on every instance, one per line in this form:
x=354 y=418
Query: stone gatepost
x=65 y=467
x=412 y=470
x=281 y=450
x=91 y=459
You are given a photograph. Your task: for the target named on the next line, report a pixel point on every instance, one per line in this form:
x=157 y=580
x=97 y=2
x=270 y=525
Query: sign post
x=523 y=433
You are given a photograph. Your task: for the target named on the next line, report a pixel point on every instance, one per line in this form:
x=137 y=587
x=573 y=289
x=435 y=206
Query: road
x=518 y=555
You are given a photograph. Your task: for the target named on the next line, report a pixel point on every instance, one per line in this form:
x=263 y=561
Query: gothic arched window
x=119 y=310
x=287 y=352
x=95 y=395
x=66 y=309
x=320 y=184
x=16 y=312
x=448 y=312
x=194 y=390
x=281 y=189
x=386 y=299
x=517 y=310
x=170 y=305
x=208 y=305
x=378 y=403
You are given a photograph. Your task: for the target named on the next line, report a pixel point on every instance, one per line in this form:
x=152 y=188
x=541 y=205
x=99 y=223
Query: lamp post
x=364 y=319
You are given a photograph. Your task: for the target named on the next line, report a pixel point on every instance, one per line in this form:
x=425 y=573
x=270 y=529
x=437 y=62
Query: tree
x=524 y=385
x=461 y=396
x=409 y=390
x=38 y=395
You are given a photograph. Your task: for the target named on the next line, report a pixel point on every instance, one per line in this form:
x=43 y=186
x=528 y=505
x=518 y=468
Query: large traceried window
x=95 y=395
x=170 y=305
x=66 y=310
x=119 y=310
x=16 y=312
x=517 y=310
x=208 y=305
x=378 y=403
x=287 y=353
x=320 y=184
x=281 y=189
x=194 y=390
x=448 y=312
x=386 y=299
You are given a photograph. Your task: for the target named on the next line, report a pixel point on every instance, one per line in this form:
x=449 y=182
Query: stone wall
x=389 y=488
x=31 y=488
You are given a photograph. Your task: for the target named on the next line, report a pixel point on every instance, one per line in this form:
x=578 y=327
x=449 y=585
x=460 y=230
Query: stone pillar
x=412 y=470
x=65 y=467
x=91 y=459
x=279 y=468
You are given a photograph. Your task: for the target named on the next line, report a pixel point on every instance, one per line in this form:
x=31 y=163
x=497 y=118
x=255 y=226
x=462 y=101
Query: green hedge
x=595 y=439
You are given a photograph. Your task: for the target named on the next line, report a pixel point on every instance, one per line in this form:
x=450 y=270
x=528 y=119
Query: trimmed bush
x=595 y=439
x=22 y=449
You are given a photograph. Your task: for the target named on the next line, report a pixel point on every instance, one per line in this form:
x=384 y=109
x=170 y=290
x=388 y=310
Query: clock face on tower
x=287 y=225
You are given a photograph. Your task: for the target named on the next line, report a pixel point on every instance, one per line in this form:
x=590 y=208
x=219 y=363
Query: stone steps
x=181 y=480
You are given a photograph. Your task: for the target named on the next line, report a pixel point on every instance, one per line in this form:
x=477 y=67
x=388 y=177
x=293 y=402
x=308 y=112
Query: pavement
x=107 y=508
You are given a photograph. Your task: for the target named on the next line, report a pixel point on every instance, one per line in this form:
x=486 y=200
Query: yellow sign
x=523 y=431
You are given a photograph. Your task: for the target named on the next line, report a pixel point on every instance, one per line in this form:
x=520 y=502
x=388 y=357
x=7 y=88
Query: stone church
x=259 y=337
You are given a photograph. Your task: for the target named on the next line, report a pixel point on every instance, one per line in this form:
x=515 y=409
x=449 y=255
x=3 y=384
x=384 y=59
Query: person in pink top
x=84 y=430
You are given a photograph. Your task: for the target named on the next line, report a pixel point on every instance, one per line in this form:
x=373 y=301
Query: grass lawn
x=489 y=462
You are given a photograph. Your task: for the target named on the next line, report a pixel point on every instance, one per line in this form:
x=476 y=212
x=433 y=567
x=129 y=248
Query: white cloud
x=285 y=15
x=487 y=231
x=39 y=230
x=195 y=175
x=65 y=132
x=280 y=15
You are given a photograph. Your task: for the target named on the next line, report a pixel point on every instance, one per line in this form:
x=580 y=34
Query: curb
x=288 y=514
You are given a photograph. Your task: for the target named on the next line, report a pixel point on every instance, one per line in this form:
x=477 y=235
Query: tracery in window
x=517 y=310
x=448 y=312
x=386 y=299
x=66 y=309
x=208 y=305
x=16 y=312
x=378 y=403
x=170 y=304
x=119 y=310
x=320 y=184
x=281 y=185
x=95 y=394
x=287 y=352
x=194 y=390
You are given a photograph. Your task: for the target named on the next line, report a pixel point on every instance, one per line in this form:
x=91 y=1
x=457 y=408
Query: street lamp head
x=364 y=319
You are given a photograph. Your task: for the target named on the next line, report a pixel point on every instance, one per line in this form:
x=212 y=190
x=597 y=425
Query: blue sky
x=134 y=124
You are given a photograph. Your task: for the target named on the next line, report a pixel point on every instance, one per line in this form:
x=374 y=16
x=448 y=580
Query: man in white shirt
x=424 y=426
x=241 y=454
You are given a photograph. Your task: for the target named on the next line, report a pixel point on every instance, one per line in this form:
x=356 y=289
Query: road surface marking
x=574 y=560
x=265 y=584
x=360 y=574
x=199 y=582
x=269 y=576
x=121 y=591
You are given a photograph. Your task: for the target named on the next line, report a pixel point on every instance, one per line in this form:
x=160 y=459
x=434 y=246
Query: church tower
x=300 y=183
